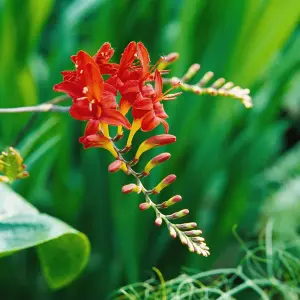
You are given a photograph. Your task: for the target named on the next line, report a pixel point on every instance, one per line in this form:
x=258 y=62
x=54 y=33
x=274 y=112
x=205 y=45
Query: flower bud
x=186 y=226
x=130 y=188
x=167 y=60
x=190 y=246
x=156 y=161
x=218 y=83
x=172 y=232
x=153 y=142
x=98 y=140
x=247 y=101
x=175 y=81
x=206 y=78
x=158 y=221
x=193 y=232
x=183 y=239
x=193 y=69
x=197 y=239
x=178 y=214
x=144 y=206
x=170 y=202
x=164 y=183
x=171 y=57
x=117 y=165
x=228 y=85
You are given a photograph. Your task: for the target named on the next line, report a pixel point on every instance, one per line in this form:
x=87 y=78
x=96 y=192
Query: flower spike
x=140 y=86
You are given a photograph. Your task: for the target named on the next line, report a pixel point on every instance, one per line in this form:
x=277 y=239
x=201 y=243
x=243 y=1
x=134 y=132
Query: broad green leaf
x=62 y=250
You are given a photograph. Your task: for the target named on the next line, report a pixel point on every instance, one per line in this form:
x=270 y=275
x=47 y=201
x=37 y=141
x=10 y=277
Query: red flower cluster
x=94 y=99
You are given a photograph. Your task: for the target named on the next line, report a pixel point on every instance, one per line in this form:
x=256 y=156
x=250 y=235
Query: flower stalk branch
x=49 y=106
x=218 y=87
x=194 y=242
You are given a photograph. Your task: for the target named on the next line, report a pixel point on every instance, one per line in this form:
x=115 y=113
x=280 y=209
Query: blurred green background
x=234 y=166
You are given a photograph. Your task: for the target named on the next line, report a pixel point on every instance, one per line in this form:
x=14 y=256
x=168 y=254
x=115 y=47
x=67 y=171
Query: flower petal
x=158 y=84
x=80 y=110
x=165 y=125
x=114 y=117
x=92 y=127
x=93 y=81
x=82 y=59
x=143 y=103
x=70 y=88
x=128 y=56
x=104 y=54
x=150 y=121
x=144 y=58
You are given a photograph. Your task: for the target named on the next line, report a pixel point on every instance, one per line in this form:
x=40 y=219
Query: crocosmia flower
x=139 y=86
x=92 y=97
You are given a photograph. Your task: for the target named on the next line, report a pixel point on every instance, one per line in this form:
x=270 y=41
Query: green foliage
x=62 y=250
x=222 y=149
x=267 y=271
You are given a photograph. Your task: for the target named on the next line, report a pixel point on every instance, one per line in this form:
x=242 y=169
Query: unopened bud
x=193 y=232
x=191 y=72
x=247 y=101
x=190 y=246
x=171 y=57
x=228 y=85
x=170 y=202
x=153 y=142
x=144 y=206
x=186 y=226
x=115 y=166
x=178 y=214
x=167 y=60
x=172 y=232
x=183 y=239
x=175 y=81
x=197 y=239
x=164 y=183
x=130 y=188
x=158 y=221
x=206 y=78
x=156 y=161
x=218 y=83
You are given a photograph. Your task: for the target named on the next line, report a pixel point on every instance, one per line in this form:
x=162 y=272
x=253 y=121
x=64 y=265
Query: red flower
x=150 y=110
x=102 y=58
x=92 y=98
x=94 y=138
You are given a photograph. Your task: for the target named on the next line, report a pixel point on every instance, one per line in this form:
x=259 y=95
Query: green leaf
x=62 y=250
